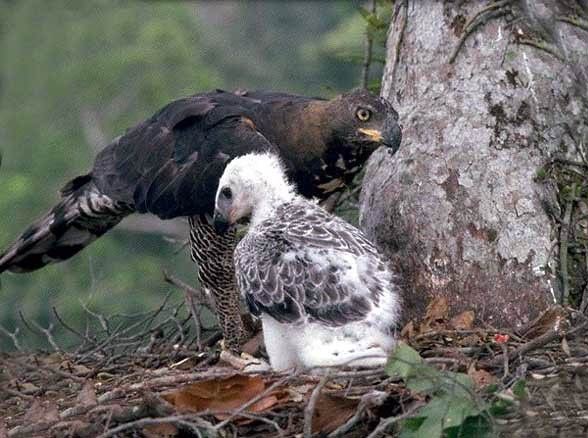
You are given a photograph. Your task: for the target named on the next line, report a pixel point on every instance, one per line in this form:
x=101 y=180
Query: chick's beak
x=221 y=222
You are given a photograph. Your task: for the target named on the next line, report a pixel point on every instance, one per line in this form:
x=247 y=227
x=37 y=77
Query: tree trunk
x=460 y=207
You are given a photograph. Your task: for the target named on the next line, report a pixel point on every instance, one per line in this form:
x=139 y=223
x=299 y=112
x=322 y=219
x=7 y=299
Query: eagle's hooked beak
x=390 y=136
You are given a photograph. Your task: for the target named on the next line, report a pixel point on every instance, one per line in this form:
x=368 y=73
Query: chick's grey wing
x=296 y=276
x=170 y=164
x=311 y=226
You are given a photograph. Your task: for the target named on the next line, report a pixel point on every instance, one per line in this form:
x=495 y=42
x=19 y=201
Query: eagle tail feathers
x=82 y=215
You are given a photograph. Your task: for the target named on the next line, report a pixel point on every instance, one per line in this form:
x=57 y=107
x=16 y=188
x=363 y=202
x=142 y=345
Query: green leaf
x=446 y=412
x=425 y=379
x=410 y=426
x=478 y=426
x=491 y=389
x=364 y=13
x=450 y=411
x=452 y=401
x=519 y=389
x=429 y=380
x=431 y=428
x=403 y=361
x=458 y=384
x=500 y=407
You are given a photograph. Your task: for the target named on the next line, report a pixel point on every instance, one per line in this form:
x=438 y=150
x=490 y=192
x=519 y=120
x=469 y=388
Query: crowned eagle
x=170 y=164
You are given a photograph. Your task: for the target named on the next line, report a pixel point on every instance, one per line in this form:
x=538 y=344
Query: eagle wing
x=310 y=266
x=170 y=164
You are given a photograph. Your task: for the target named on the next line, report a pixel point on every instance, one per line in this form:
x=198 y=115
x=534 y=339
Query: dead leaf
x=331 y=412
x=463 y=321
x=565 y=347
x=51 y=360
x=253 y=345
x=162 y=430
x=41 y=413
x=101 y=411
x=81 y=370
x=408 y=331
x=481 y=378
x=264 y=404
x=551 y=319
x=222 y=395
x=69 y=428
x=87 y=395
x=28 y=388
x=437 y=310
x=3 y=431
x=299 y=393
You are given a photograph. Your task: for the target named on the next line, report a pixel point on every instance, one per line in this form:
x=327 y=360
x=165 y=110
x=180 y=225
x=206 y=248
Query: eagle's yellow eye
x=363 y=114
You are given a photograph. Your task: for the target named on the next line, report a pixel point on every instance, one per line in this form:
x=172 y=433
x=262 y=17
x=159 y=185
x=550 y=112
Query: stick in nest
x=311 y=406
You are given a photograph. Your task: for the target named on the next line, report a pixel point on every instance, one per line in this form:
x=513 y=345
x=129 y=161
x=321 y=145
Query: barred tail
x=82 y=215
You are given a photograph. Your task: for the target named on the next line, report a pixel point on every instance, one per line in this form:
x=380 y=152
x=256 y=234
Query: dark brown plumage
x=170 y=164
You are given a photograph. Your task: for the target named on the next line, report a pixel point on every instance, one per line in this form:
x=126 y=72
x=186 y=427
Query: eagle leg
x=213 y=253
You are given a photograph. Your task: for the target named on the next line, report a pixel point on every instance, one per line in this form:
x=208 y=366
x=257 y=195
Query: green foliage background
x=121 y=61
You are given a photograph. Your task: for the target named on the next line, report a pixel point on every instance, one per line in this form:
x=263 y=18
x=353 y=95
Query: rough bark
x=458 y=207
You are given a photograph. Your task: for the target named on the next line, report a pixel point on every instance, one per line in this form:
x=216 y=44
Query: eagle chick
x=325 y=295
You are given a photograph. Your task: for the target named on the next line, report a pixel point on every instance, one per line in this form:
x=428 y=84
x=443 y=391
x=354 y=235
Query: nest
x=166 y=379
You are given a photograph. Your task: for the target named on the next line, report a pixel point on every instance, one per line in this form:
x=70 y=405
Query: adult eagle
x=170 y=164
x=325 y=295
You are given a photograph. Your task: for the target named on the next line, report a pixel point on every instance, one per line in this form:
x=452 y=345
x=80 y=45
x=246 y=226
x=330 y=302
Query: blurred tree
x=271 y=44
x=74 y=75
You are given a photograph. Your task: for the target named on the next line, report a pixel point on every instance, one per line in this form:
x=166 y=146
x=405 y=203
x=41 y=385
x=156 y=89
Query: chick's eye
x=363 y=114
x=226 y=192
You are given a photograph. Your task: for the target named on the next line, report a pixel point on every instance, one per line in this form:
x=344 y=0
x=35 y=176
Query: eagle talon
x=244 y=362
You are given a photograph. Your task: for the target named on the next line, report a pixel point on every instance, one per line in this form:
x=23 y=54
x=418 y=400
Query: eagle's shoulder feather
x=169 y=165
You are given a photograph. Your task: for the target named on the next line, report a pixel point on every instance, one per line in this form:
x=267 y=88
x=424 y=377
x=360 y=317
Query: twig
x=570 y=163
x=584 y=303
x=371 y=399
x=189 y=295
x=103 y=322
x=192 y=422
x=45 y=331
x=505 y=361
x=540 y=45
x=198 y=293
x=53 y=370
x=399 y=41
x=349 y=193
x=493 y=10
x=563 y=249
x=539 y=341
x=385 y=423
x=367 y=56
x=13 y=336
x=331 y=202
x=310 y=407
x=578 y=22
x=16 y=393
x=120 y=330
x=69 y=328
x=260 y=418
